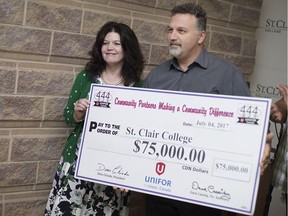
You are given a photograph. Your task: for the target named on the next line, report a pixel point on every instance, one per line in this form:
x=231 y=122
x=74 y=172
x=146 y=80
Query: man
x=278 y=114
x=192 y=69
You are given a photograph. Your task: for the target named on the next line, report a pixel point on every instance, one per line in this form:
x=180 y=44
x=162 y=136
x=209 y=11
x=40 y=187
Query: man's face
x=183 y=36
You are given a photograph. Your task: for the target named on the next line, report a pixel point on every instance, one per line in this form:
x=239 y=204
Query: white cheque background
x=226 y=177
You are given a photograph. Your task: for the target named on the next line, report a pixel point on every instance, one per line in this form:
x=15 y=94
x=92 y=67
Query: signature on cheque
x=114 y=170
x=220 y=193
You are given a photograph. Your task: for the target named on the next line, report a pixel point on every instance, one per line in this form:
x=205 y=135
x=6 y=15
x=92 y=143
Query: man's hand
x=278 y=113
x=266 y=154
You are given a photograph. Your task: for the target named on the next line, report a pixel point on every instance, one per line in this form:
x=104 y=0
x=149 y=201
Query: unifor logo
x=160 y=168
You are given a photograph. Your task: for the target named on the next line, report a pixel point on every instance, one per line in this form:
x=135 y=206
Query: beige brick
x=53 y=17
x=129 y=4
x=38 y=131
x=144 y=75
x=8 y=80
x=45 y=66
x=54 y=124
x=249 y=47
x=17 y=174
x=12 y=11
x=159 y=54
x=148 y=68
x=37 y=148
x=220 y=55
x=216 y=22
x=54 y=108
x=216 y=9
x=67 y=60
x=92 y=22
x=162 y=12
x=47 y=170
x=106 y=9
x=98 y=1
x=21 y=56
x=207 y=39
x=19 y=124
x=78 y=69
x=150 y=3
x=44 y=82
x=146 y=51
x=243 y=28
x=169 y=4
x=245 y=16
x=226 y=31
x=21 y=108
x=246 y=64
x=225 y=43
x=148 y=32
x=21 y=39
x=248 y=3
x=33 y=207
x=151 y=18
x=4 y=132
x=22 y=196
x=249 y=35
x=15 y=188
x=7 y=64
x=44 y=187
x=66 y=3
x=72 y=45
x=4 y=146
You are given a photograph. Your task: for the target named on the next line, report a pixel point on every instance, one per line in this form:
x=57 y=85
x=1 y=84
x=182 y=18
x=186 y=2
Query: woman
x=116 y=59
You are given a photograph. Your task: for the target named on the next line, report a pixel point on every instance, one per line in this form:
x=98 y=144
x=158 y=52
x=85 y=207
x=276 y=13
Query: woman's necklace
x=108 y=83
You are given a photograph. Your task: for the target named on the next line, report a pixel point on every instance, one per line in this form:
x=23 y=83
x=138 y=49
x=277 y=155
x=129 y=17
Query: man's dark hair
x=193 y=9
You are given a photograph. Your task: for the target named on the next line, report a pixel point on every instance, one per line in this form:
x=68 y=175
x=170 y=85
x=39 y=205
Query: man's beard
x=175 y=52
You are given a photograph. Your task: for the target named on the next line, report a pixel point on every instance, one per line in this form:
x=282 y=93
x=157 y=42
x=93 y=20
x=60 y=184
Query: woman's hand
x=80 y=108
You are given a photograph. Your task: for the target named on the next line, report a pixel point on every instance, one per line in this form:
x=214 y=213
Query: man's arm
x=278 y=112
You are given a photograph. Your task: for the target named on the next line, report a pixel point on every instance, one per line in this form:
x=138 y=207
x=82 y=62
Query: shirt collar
x=201 y=60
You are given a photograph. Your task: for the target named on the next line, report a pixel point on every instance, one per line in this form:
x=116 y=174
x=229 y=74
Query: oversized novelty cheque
x=199 y=148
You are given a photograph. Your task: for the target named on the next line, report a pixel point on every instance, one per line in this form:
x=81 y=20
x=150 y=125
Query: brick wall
x=44 y=44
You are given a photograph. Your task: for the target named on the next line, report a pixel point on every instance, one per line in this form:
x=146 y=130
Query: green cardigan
x=80 y=89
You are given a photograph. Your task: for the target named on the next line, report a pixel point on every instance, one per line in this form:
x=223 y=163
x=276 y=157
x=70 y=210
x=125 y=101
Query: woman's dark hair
x=133 y=62
x=193 y=9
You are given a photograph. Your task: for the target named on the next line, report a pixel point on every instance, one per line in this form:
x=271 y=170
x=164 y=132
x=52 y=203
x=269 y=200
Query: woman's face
x=112 y=51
